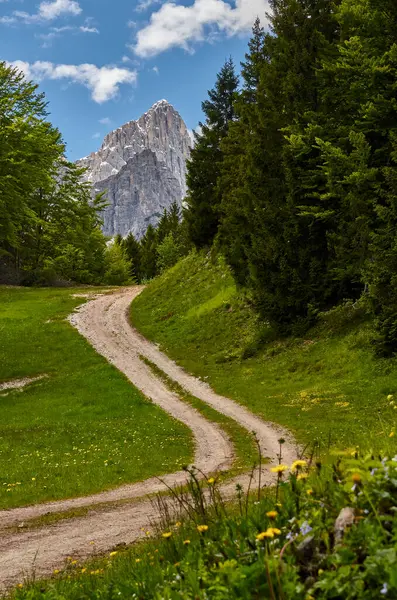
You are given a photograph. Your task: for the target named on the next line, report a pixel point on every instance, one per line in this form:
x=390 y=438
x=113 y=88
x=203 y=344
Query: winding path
x=104 y=322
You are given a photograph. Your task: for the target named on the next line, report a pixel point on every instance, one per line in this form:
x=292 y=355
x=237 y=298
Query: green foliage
x=117 y=265
x=168 y=253
x=81 y=429
x=294 y=543
x=48 y=224
x=202 y=214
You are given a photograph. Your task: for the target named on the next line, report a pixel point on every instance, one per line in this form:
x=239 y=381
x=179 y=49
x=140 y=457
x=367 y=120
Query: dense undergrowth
x=327 y=386
x=84 y=427
x=323 y=532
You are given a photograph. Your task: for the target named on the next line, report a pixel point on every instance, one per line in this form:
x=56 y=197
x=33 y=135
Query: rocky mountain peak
x=162 y=131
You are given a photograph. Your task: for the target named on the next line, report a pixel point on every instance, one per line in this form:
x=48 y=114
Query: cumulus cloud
x=103 y=82
x=48 y=11
x=175 y=25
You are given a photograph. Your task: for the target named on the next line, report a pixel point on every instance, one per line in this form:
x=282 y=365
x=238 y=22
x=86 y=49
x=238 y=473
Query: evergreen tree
x=117 y=265
x=149 y=254
x=202 y=215
x=132 y=249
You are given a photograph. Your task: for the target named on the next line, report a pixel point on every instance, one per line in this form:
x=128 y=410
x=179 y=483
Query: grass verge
x=246 y=451
x=327 y=387
x=82 y=429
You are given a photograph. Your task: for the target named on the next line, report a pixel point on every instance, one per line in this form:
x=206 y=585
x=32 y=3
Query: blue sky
x=102 y=63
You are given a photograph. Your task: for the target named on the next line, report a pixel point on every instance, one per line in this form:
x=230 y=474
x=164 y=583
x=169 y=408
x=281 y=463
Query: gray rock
x=142 y=165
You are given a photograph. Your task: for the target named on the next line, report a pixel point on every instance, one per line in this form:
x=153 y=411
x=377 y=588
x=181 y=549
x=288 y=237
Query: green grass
x=327 y=386
x=281 y=545
x=84 y=428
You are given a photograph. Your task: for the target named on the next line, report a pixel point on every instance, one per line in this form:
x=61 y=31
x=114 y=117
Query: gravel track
x=104 y=322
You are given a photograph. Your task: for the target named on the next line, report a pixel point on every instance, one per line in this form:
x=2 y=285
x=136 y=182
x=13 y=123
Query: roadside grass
x=299 y=541
x=246 y=451
x=82 y=429
x=327 y=387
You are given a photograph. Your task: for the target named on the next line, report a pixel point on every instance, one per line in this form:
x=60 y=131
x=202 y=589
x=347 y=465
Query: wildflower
x=279 y=504
x=302 y=476
x=55 y=571
x=298 y=464
x=20 y=585
x=384 y=589
x=202 y=528
x=113 y=553
x=272 y=514
x=178 y=524
x=33 y=478
x=390 y=397
x=309 y=492
x=305 y=528
x=211 y=480
x=167 y=534
x=137 y=560
x=83 y=570
x=269 y=533
x=392 y=434
x=279 y=469
x=186 y=542
x=356 y=478
x=73 y=562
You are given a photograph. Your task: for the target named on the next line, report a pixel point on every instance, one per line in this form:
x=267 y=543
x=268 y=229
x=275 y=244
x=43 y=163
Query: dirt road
x=105 y=324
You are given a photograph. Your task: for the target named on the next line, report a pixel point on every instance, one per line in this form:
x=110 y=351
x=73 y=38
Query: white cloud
x=96 y=135
x=125 y=59
x=145 y=4
x=103 y=82
x=175 y=25
x=48 y=11
x=105 y=121
x=86 y=29
x=156 y=70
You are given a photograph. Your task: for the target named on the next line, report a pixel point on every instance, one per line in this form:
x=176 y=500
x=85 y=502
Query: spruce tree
x=202 y=214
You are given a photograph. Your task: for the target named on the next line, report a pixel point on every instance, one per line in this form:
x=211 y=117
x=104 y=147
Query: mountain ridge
x=136 y=201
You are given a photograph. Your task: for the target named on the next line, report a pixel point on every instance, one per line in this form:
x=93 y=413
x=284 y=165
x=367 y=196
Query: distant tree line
x=159 y=249
x=294 y=174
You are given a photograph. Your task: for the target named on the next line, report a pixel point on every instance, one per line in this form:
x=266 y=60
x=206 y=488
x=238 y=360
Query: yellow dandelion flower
x=167 y=534
x=279 y=504
x=302 y=476
x=211 y=480
x=113 y=553
x=55 y=571
x=279 y=469
x=392 y=434
x=20 y=585
x=83 y=570
x=73 y=562
x=202 y=528
x=298 y=464
x=33 y=478
x=264 y=534
x=356 y=477
x=272 y=514
x=390 y=397
x=186 y=542
x=309 y=492
x=138 y=560
x=178 y=524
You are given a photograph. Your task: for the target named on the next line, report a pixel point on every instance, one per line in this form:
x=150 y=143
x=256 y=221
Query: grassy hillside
x=327 y=387
x=82 y=429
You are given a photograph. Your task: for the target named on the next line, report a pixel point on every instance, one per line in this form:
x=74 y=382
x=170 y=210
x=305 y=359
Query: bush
x=117 y=266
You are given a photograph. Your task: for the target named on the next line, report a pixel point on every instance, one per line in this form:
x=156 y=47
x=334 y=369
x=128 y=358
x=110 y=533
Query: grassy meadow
x=327 y=387
x=82 y=429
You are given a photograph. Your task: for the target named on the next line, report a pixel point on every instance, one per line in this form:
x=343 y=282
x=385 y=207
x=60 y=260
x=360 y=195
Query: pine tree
x=132 y=249
x=202 y=215
x=149 y=254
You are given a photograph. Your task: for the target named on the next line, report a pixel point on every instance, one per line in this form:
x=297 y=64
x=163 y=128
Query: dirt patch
x=20 y=383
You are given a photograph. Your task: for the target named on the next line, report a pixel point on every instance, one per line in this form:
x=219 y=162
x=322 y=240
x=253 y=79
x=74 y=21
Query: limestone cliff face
x=142 y=167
